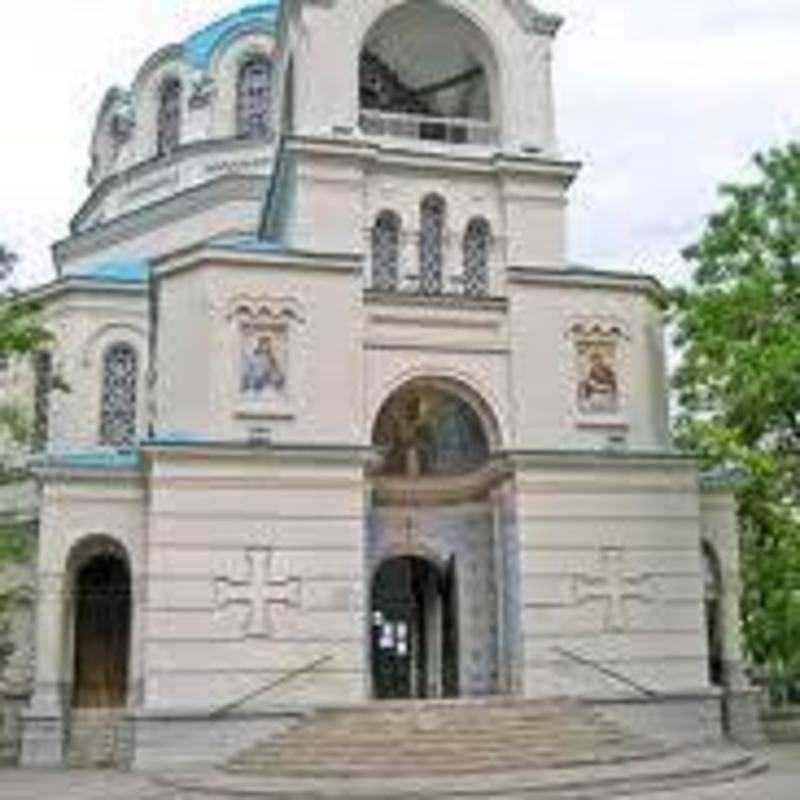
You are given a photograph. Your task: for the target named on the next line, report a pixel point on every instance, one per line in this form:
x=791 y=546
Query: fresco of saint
x=598 y=389
x=261 y=368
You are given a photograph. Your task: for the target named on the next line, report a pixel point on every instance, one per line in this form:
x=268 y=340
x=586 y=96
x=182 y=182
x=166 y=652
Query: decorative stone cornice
x=532 y=20
x=285 y=453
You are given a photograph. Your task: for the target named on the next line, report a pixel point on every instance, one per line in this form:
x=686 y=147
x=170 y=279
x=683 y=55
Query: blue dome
x=199 y=47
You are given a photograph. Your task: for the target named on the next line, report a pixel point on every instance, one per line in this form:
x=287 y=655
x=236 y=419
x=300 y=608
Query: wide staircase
x=93 y=741
x=391 y=739
x=498 y=748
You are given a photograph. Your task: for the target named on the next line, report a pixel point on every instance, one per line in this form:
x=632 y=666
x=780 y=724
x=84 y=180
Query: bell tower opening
x=427 y=72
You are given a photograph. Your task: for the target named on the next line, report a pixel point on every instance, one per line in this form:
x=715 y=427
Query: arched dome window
x=431 y=244
x=254 y=98
x=477 y=240
x=120 y=389
x=169 y=116
x=386 y=251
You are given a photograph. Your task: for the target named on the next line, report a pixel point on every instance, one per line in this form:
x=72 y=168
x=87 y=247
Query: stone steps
x=93 y=738
x=677 y=772
x=443 y=738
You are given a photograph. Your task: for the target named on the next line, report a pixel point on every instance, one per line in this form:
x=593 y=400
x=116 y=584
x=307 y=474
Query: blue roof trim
x=248 y=244
x=199 y=48
x=100 y=458
x=134 y=271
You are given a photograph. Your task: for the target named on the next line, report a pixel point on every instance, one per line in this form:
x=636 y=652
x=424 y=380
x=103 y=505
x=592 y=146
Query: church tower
x=449 y=103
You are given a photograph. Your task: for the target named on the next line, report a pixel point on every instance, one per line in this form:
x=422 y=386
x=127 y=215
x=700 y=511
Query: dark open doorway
x=102 y=633
x=414 y=630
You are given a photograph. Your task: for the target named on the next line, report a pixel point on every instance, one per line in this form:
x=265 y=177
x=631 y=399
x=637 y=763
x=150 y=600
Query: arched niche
x=433 y=515
x=428 y=71
x=99 y=623
x=431 y=428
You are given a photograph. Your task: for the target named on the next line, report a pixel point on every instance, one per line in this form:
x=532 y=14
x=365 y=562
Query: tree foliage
x=21 y=333
x=738 y=386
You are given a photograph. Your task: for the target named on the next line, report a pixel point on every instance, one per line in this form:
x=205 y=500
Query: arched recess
x=712 y=596
x=98 y=623
x=433 y=513
x=432 y=426
x=430 y=71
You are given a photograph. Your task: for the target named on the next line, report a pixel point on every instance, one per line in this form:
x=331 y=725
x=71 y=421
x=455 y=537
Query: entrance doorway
x=102 y=633
x=712 y=590
x=414 y=630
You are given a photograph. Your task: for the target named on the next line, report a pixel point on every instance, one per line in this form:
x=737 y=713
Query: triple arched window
x=254 y=98
x=169 y=116
x=386 y=245
x=120 y=395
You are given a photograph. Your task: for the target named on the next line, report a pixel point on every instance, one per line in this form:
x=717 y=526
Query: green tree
x=738 y=387
x=21 y=333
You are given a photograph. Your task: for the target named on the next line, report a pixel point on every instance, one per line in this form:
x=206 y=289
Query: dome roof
x=199 y=47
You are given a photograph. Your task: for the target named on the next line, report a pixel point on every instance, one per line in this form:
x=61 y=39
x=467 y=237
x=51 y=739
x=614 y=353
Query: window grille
x=43 y=386
x=118 y=414
x=254 y=98
x=431 y=244
x=477 y=240
x=169 y=116
x=385 y=251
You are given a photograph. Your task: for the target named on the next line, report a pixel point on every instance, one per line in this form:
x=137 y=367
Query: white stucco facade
x=253 y=517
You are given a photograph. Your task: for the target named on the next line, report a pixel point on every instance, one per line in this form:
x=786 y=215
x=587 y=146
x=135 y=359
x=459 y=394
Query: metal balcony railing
x=450 y=130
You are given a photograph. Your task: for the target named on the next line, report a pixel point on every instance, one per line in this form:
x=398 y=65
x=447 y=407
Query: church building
x=344 y=423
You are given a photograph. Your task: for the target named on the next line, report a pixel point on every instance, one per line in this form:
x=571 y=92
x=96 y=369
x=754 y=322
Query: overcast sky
x=661 y=101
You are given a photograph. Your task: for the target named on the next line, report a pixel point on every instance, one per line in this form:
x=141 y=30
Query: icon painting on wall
x=598 y=386
x=264 y=362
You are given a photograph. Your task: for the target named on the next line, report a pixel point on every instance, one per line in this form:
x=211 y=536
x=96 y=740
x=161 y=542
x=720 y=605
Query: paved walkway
x=781 y=783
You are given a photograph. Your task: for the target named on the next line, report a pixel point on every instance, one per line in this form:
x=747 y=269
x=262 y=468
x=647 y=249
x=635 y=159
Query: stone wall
x=18 y=529
x=16 y=652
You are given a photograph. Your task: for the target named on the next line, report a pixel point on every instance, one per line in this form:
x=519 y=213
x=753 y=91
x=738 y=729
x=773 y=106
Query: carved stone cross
x=258 y=593
x=615 y=586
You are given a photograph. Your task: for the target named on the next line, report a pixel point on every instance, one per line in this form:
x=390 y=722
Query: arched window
x=385 y=251
x=43 y=387
x=431 y=244
x=477 y=239
x=169 y=116
x=120 y=379
x=254 y=98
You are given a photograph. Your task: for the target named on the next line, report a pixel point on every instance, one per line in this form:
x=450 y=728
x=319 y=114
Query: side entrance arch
x=102 y=628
